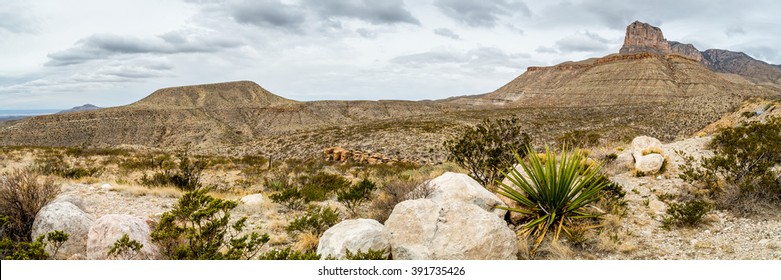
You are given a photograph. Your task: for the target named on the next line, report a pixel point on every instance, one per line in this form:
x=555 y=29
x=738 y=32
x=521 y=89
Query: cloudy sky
x=59 y=54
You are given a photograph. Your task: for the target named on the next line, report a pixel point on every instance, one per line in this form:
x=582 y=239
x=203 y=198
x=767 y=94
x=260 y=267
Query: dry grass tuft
x=307 y=242
x=135 y=190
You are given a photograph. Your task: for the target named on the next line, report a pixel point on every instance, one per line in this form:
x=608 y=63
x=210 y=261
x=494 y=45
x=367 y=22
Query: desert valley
x=675 y=151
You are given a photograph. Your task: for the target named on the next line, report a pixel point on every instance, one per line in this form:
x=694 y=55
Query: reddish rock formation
x=343 y=155
x=643 y=37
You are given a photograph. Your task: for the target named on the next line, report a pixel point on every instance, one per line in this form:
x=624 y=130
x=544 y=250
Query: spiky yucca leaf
x=553 y=192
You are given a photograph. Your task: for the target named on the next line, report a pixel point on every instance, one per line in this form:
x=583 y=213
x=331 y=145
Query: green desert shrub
x=125 y=248
x=55 y=164
x=306 y=189
x=288 y=254
x=30 y=250
x=22 y=194
x=487 y=148
x=356 y=194
x=554 y=193
x=689 y=213
x=186 y=176
x=316 y=221
x=744 y=164
x=368 y=255
x=199 y=228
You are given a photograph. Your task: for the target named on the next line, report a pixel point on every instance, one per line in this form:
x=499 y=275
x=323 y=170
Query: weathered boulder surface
x=108 y=229
x=253 y=199
x=354 y=235
x=424 y=229
x=644 y=143
x=460 y=187
x=649 y=164
x=67 y=217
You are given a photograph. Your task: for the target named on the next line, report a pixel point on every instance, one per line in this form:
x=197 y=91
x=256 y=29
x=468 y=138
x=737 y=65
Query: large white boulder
x=354 y=235
x=108 y=229
x=64 y=216
x=454 y=230
x=460 y=187
x=644 y=143
x=253 y=200
x=649 y=164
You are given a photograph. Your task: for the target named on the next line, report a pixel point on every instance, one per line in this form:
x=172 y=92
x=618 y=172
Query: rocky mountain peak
x=643 y=37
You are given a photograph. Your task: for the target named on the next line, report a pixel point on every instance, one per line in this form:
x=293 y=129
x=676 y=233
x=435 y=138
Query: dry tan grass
x=169 y=192
x=307 y=242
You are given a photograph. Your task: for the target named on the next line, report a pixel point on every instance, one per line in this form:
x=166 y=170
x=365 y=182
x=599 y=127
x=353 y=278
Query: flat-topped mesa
x=643 y=37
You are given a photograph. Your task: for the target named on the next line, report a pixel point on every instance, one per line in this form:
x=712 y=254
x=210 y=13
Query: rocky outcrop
x=354 y=235
x=67 y=217
x=424 y=229
x=110 y=228
x=340 y=154
x=460 y=187
x=643 y=37
x=686 y=50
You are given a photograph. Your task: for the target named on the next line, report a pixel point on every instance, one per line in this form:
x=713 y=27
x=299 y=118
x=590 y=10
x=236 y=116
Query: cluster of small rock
x=342 y=155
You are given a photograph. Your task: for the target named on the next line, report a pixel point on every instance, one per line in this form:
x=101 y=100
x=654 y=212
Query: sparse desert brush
x=356 y=194
x=743 y=169
x=688 y=213
x=487 y=148
x=199 y=228
x=315 y=221
x=579 y=138
x=22 y=194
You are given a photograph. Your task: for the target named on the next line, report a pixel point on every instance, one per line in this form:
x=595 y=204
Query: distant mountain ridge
x=85 y=107
x=652 y=86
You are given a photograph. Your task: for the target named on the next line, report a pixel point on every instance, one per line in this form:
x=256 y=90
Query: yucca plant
x=554 y=191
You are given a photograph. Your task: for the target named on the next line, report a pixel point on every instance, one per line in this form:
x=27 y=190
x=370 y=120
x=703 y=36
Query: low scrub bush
x=22 y=194
x=125 y=248
x=368 y=255
x=199 y=228
x=744 y=165
x=316 y=221
x=55 y=164
x=553 y=193
x=689 y=213
x=30 y=250
x=487 y=148
x=288 y=253
x=308 y=189
x=356 y=194
x=187 y=175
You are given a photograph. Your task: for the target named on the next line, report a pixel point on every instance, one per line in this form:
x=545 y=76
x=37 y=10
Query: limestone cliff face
x=643 y=37
x=687 y=50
